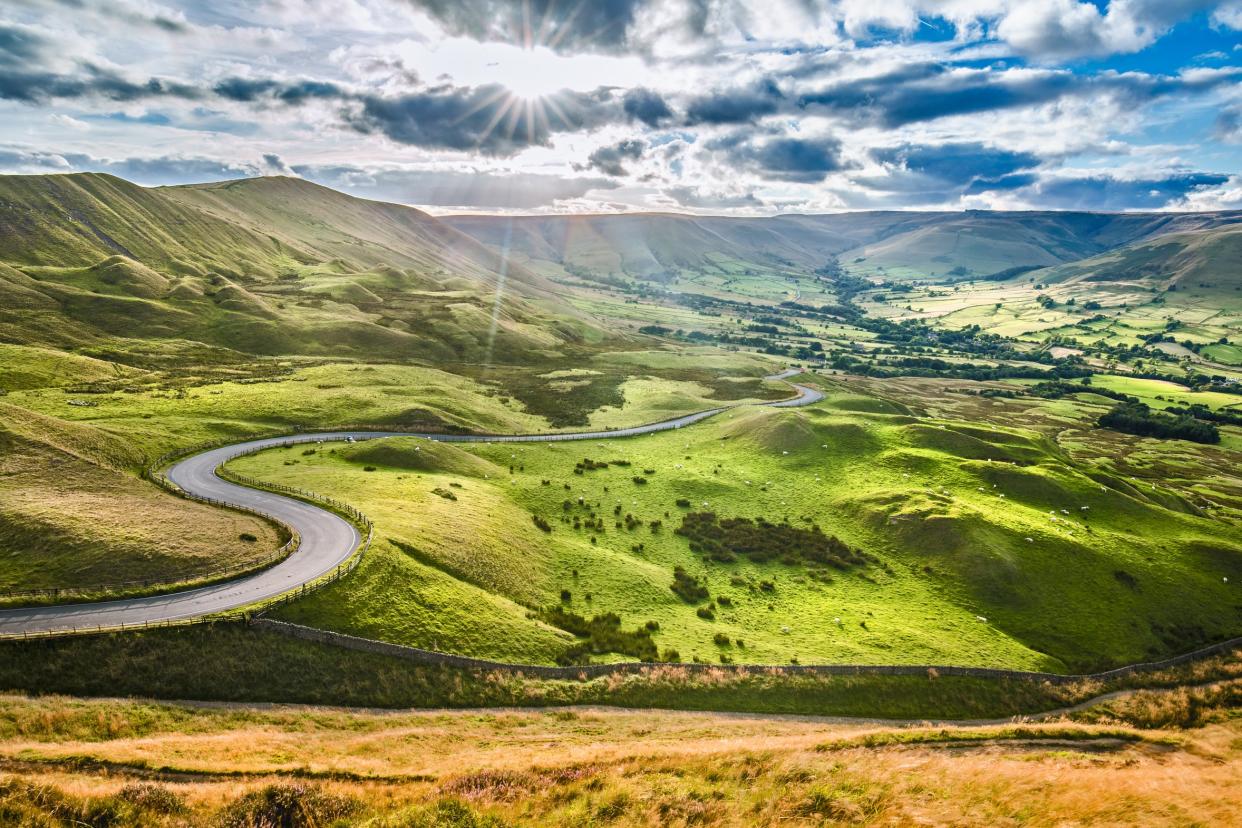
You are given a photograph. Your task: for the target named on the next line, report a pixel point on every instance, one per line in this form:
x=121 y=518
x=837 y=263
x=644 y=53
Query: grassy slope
x=908 y=491
x=267 y=266
x=72 y=514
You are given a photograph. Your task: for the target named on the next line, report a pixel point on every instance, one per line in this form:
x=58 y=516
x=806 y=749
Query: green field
x=945 y=506
x=930 y=510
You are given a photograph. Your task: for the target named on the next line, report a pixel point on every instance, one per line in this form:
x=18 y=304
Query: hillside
x=894 y=244
x=1207 y=257
x=272 y=266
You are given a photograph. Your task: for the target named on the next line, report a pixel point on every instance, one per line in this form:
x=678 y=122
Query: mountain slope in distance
x=264 y=266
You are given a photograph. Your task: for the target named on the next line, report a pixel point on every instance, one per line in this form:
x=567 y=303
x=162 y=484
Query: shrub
x=150 y=797
x=247 y=537
x=687 y=587
x=720 y=640
x=444 y=493
x=761 y=541
x=542 y=524
x=368 y=468
x=602 y=634
x=639 y=481
x=287 y=806
x=683 y=503
x=706 y=613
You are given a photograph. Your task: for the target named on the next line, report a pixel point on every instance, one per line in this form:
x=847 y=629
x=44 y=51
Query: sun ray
x=508 y=103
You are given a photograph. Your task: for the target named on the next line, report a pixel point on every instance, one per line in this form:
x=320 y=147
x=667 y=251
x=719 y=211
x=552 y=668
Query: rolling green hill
x=1207 y=257
x=268 y=266
x=894 y=244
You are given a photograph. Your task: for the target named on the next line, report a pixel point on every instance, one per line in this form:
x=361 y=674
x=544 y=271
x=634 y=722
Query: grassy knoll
x=157 y=765
x=942 y=507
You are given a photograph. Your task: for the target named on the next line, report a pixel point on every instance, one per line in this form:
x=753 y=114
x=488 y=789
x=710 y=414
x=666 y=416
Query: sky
x=701 y=106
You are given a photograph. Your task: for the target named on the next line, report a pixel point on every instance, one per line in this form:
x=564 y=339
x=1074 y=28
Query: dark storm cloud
x=565 y=25
x=486 y=118
x=800 y=160
x=927 y=91
x=248 y=90
x=93 y=82
x=455 y=188
x=646 y=106
x=610 y=160
x=970 y=165
x=1108 y=193
x=20 y=46
x=736 y=106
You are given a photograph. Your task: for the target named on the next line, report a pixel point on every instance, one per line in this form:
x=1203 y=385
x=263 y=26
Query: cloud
x=782 y=159
x=609 y=160
x=969 y=167
x=700 y=198
x=21 y=46
x=148 y=171
x=928 y=92
x=1228 y=16
x=1228 y=126
x=248 y=90
x=1051 y=29
x=485 y=119
x=594 y=25
x=733 y=106
x=93 y=82
x=463 y=189
x=1105 y=192
x=646 y=106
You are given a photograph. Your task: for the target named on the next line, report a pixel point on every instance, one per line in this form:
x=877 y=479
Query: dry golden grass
x=616 y=767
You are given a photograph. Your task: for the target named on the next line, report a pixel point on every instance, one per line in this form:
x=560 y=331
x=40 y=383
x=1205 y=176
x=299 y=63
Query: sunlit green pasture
x=984 y=551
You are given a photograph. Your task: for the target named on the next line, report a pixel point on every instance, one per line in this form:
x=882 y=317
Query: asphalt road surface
x=327 y=540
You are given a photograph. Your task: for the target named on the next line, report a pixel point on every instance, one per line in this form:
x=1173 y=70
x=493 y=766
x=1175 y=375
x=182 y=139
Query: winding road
x=327 y=541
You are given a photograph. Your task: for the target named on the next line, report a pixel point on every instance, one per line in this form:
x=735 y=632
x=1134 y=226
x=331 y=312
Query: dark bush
x=247 y=537
x=602 y=634
x=287 y=806
x=542 y=524
x=723 y=539
x=151 y=797
x=687 y=587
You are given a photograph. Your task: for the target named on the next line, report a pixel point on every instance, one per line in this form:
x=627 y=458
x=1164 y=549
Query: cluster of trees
x=1138 y=418
x=761 y=541
x=933 y=367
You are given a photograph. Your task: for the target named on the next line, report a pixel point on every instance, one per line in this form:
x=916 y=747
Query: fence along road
x=327 y=540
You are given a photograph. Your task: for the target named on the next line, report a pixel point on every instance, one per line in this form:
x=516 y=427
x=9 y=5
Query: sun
x=532 y=73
